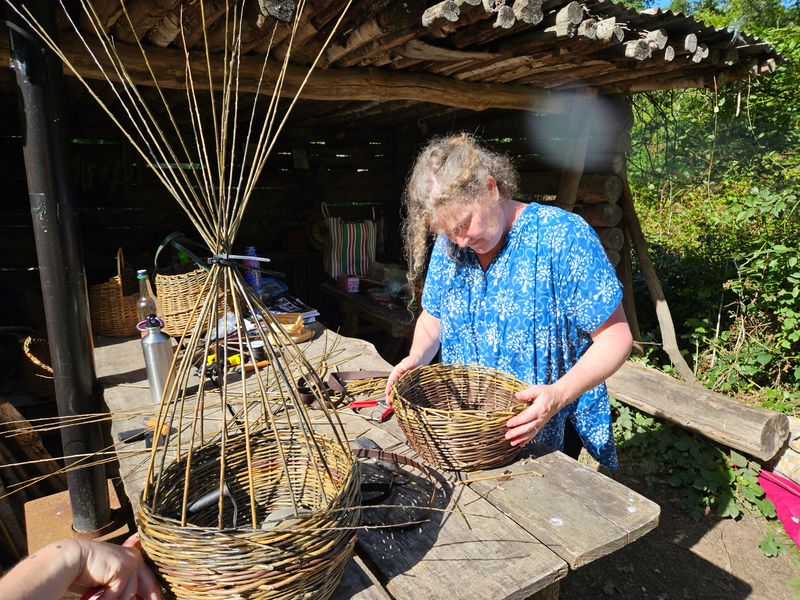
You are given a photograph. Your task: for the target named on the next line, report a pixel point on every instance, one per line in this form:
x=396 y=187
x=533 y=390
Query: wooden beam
x=612 y=238
x=449 y=10
x=396 y=16
x=333 y=84
x=582 y=112
x=756 y=431
x=423 y=51
x=107 y=11
x=142 y=15
x=591 y=188
x=668 y=338
x=601 y=214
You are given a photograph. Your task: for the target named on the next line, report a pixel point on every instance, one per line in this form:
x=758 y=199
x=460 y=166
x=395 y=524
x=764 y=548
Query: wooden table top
x=496 y=537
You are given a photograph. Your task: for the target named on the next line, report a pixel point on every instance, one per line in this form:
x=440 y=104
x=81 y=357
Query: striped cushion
x=350 y=248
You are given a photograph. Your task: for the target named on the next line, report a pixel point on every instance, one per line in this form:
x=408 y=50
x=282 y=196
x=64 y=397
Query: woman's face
x=479 y=224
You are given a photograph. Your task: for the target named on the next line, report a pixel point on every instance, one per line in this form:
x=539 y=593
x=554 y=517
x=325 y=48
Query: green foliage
x=706 y=479
x=717 y=181
x=770 y=546
x=716 y=177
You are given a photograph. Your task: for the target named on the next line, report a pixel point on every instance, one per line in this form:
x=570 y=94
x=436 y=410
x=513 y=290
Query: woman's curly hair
x=449 y=169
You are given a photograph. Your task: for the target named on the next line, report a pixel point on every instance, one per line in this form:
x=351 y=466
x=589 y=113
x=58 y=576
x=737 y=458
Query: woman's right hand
x=405 y=365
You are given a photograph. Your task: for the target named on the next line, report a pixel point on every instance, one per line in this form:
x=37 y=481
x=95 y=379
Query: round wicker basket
x=455 y=416
x=37 y=374
x=296 y=558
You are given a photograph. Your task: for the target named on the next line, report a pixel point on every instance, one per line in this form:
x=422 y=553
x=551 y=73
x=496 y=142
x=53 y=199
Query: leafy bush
x=717 y=182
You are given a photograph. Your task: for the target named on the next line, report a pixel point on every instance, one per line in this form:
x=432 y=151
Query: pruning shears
x=381 y=414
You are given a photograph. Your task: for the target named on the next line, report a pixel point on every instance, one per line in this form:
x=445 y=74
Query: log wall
x=122 y=204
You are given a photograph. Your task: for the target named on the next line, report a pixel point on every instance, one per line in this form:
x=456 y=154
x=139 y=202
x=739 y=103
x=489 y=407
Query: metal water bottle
x=157 y=349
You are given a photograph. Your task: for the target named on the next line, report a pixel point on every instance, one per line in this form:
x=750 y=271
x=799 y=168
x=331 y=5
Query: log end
x=774 y=436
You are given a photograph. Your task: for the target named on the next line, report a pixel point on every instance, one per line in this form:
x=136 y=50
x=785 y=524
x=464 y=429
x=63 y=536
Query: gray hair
x=449 y=170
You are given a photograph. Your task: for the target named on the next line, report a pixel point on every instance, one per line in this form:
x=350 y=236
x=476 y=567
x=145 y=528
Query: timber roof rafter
x=462 y=54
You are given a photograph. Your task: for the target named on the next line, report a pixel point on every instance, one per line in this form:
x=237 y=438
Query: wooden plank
x=503 y=559
x=357 y=584
x=29 y=447
x=11 y=530
x=756 y=431
x=577 y=512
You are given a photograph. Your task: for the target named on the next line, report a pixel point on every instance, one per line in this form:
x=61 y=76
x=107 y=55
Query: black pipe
x=55 y=226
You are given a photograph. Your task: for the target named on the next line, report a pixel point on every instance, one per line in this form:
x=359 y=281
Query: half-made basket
x=305 y=520
x=455 y=416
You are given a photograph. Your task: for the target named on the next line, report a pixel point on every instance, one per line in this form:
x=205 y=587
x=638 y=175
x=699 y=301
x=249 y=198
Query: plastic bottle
x=157 y=350
x=146 y=304
x=252 y=272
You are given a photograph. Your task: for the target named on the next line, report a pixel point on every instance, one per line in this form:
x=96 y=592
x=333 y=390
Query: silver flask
x=157 y=349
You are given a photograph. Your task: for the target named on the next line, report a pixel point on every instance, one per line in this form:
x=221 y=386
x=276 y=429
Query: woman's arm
x=79 y=565
x=424 y=347
x=611 y=345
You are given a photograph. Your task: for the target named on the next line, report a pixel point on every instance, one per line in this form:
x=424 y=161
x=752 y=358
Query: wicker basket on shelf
x=114 y=311
x=272 y=557
x=37 y=374
x=177 y=296
x=455 y=416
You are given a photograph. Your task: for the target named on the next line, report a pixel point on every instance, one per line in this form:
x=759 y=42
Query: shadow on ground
x=685 y=559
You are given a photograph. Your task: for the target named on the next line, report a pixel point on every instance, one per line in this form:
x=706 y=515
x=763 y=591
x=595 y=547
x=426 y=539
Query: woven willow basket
x=37 y=374
x=303 y=558
x=177 y=296
x=114 y=313
x=455 y=416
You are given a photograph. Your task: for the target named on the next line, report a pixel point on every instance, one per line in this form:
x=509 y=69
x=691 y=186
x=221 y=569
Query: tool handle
x=132 y=435
x=251 y=366
x=362 y=404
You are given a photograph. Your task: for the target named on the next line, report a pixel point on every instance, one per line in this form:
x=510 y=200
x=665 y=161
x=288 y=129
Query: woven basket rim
x=478 y=413
x=26 y=348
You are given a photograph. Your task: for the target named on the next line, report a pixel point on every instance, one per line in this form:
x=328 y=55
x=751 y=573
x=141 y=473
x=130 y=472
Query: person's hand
x=405 y=365
x=119 y=571
x=546 y=400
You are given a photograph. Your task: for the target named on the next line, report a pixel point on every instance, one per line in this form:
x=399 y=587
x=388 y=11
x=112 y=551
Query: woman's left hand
x=546 y=400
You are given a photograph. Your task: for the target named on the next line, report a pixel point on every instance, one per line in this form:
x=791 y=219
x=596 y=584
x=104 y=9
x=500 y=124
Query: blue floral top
x=531 y=313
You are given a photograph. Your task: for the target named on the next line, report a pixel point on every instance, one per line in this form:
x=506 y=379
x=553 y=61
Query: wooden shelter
x=548 y=82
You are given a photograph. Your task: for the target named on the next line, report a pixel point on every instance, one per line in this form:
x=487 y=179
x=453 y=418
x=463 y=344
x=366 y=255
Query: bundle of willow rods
x=455 y=416
x=248 y=448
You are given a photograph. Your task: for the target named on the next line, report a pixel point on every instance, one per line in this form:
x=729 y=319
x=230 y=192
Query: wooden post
x=669 y=341
x=581 y=112
x=625 y=275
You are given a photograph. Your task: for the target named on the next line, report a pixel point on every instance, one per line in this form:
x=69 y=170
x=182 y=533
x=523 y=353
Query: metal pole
x=54 y=214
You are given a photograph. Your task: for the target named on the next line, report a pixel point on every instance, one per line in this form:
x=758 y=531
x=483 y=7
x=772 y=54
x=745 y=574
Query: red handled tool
x=382 y=414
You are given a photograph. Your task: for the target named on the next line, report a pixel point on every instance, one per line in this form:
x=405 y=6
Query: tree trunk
x=756 y=431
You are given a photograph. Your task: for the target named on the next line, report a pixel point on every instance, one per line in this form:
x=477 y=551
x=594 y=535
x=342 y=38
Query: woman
x=526 y=289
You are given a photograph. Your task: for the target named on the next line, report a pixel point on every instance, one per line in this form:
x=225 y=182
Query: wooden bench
x=496 y=537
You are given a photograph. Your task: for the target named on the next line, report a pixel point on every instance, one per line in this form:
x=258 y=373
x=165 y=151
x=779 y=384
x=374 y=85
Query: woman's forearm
x=425 y=344
x=611 y=346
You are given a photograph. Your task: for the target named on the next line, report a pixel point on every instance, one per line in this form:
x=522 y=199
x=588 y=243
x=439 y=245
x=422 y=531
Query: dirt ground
x=686 y=559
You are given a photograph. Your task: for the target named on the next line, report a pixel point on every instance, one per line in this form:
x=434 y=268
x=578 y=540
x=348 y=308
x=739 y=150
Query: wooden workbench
x=494 y=538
